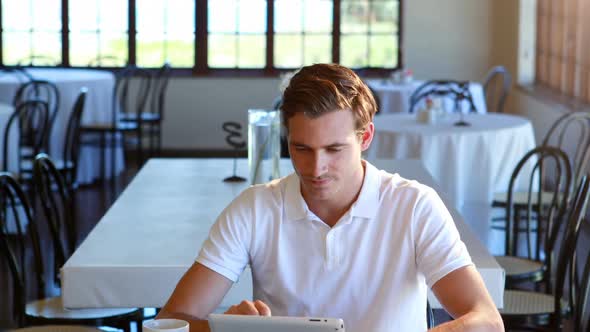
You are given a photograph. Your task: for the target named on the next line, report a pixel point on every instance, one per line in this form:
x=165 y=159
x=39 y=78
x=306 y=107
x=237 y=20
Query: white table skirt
x=395 y=97
x=97 y=109
x=6 y=111
x=469 y=163
x=136 y=254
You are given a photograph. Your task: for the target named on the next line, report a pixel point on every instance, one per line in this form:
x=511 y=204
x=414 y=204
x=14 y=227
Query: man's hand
x=256 y=308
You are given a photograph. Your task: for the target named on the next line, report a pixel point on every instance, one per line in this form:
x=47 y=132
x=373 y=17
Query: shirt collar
x=366 y=204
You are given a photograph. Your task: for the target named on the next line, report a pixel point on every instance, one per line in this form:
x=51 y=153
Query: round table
x=69 y=81
x=6 y=111
x=395 y=97
x=470 y=163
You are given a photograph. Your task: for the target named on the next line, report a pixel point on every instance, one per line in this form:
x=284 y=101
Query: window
x=31 y=29
x=562 y=56
x=204 y=36
x=98 y=31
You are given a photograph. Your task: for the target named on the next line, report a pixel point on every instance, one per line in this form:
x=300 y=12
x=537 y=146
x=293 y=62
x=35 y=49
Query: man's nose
x=319 y=164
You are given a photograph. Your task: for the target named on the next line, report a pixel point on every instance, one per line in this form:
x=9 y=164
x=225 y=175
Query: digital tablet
x=243 y=323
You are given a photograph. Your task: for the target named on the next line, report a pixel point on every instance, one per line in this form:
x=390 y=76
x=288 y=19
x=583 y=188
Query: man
x=338 y=238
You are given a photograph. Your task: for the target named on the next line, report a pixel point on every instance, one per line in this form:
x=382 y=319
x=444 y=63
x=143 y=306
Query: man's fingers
x=262 y=308
x=247 y=308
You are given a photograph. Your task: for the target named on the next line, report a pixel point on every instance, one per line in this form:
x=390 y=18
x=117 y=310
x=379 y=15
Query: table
x=468 y=163
x=69 y=81
x=395 y=97
x=6 y=111
x=152 y=234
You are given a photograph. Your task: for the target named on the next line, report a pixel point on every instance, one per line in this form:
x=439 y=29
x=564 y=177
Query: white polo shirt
x=371 y=269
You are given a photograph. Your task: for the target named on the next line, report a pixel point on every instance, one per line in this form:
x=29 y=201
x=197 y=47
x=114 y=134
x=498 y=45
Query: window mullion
x=336 y=31
x=201 y=65
x=270 y=35
x=132 y=33
x=65 y=31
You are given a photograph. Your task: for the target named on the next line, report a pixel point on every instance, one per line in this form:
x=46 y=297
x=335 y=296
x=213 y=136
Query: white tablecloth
x=136 y=254
x=469 y=163
x=6 y=111
x=97 y=109
x=395 y=97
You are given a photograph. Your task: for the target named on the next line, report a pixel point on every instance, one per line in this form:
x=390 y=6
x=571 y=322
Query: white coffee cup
x=165 y=325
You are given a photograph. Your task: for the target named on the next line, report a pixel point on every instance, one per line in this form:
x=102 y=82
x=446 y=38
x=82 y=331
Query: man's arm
x=464 y=296
x=196 y=295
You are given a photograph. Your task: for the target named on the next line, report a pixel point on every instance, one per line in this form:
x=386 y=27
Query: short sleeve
x=439 y=249
x=226 y=250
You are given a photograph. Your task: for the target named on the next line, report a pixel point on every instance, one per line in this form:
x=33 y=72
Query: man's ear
x=367 y=136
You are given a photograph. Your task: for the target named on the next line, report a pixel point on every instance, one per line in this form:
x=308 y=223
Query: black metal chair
x=107 y=61
x=37 y=60
x=539 y=219
x=124 y=102
x=56 y=203
x=546 y=311
x=20 y=73
x=32 y=120
x=571 y=127
x=40 y=90
x=582 y=309
x=457 y=91
x=496 y=87
x=68 y=164
x=153 y=119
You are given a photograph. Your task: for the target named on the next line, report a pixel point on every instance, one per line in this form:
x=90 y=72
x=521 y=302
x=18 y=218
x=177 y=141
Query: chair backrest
x=566 y=263
x=40 y=90
x=32 y=119
x=376 y=97
x=15 y=209
x=543 y=208
x=37 y=60
x=71 y=149
x=131 y=92
x=496 y=87
x=20 y=73
x=159 y=88
x=55 y=199
x=571 y=133
x=106 y=61
x=457 y=91
x=582 y=308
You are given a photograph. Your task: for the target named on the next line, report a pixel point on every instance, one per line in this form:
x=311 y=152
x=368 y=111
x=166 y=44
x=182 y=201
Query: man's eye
x=334 y=149
x=300 y=148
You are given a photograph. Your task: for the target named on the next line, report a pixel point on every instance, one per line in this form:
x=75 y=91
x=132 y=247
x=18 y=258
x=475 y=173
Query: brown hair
x=322 y=88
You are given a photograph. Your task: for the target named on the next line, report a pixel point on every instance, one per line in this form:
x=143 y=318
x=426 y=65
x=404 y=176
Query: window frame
x=200 y=68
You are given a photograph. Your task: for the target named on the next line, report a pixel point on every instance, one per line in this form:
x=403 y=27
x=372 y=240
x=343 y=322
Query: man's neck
x=330 y=211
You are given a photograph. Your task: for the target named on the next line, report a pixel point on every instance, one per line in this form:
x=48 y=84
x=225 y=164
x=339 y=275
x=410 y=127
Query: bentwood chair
x=457 y=91
x=40 y=90
x=152 y=119
x=57 y=212
x=582 y=308
x=127 y=99
x=546 y=311
x=496 y=87
x=32 y=120
x=571 y=127
x=37 y=60
x=108 y=61
x=68 y=163
x=539 y=219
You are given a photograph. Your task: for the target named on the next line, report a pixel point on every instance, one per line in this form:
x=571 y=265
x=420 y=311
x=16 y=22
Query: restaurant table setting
x=152 y=234
x=469 y=163
x=98 y=103
x=394 y=95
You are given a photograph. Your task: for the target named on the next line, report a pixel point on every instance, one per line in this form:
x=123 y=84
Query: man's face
x=326 y=154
